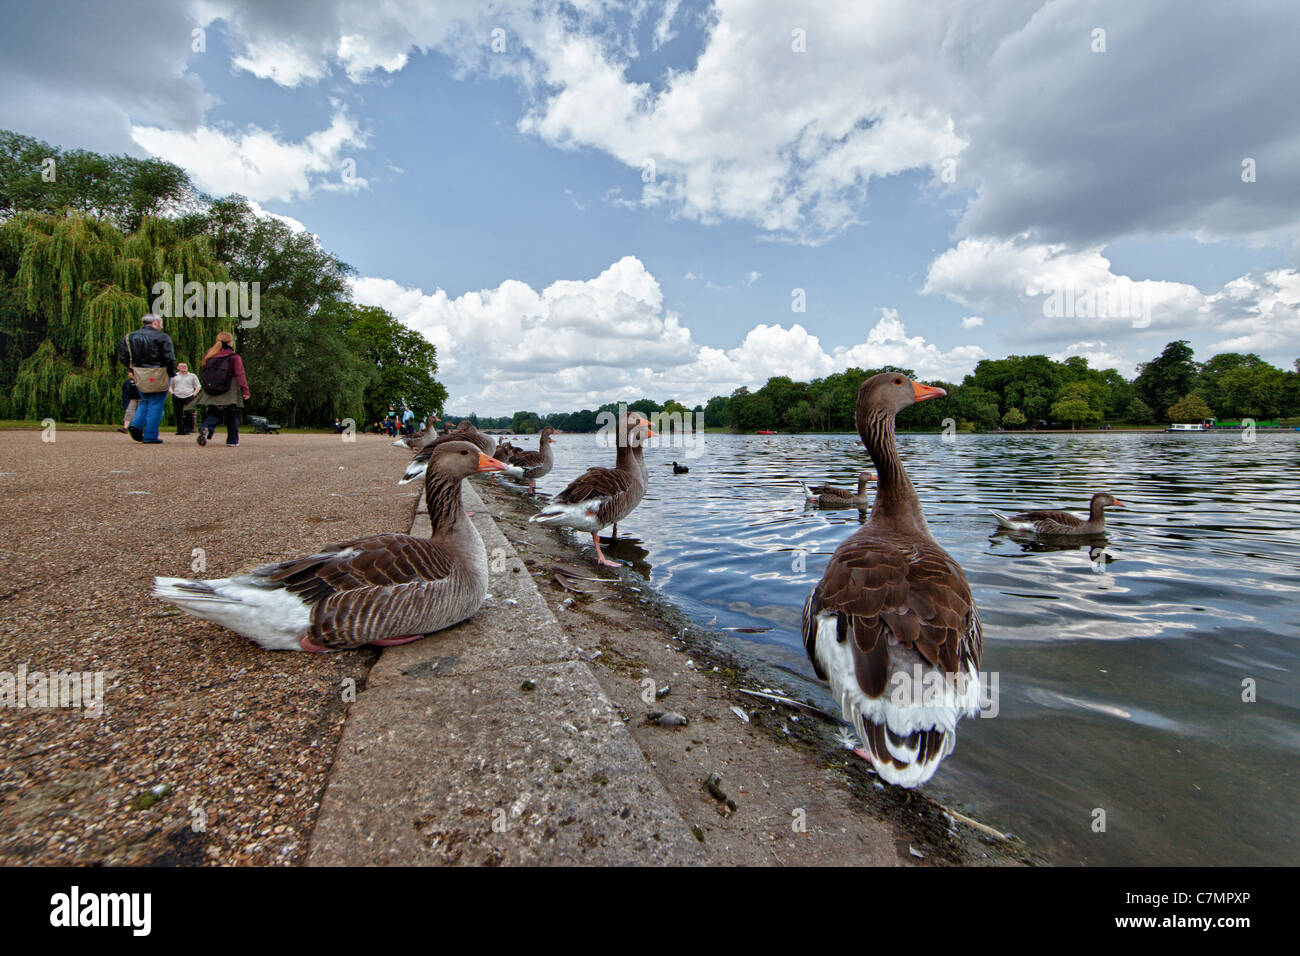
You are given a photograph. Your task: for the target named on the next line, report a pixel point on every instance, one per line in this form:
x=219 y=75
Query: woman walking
x=224 y=389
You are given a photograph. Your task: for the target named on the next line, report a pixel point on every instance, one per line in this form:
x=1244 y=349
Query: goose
x=892 y=626
x=680 y=469
x=535 y=464
x=383 y=589
x=833 y=496
x=600 y=497
x=1060 y=523
x=426 y=434
x=464 y=431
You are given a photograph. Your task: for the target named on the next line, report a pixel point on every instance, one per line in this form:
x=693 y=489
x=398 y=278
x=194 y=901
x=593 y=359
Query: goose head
x=545 y=438
x=891 y=392
x=460 y=459
x=636 y=429
x=1106 y=500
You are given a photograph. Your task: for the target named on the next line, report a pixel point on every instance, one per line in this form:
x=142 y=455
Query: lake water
x=1120 y=674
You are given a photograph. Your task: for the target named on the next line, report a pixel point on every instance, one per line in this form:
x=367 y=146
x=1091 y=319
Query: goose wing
x=607 y=487
x=1051 y=522
x=365 y=590
x=890 y=603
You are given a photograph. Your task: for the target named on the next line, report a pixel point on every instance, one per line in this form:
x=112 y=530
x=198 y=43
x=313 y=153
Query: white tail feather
x=271 y=616
x=1010 y=524
x=413 y=471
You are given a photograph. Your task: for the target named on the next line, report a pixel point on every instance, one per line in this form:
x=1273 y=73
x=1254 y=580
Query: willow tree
x=70 y=288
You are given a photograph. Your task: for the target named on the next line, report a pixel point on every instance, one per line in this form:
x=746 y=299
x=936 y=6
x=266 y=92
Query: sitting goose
x=535 y=464
x=833 y=496
x=464 y=431
x=893 y=606
x=382 y=589
x=600 y=497
x=425 y=435
x=1061 y=523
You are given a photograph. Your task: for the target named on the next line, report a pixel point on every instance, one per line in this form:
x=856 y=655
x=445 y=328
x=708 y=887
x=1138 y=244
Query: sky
x=588 y=202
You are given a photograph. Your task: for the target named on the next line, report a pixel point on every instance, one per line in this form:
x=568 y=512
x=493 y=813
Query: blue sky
x=499 y=203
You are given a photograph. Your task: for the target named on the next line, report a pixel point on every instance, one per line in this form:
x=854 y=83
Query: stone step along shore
x=493 y=743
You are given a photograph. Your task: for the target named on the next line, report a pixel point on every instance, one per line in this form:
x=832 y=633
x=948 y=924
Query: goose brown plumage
x=892 y=607
x=426 y=434
x=382 y=589
x=1059 y=524
x=833 y=496
x=600 y=497
x=535 y=464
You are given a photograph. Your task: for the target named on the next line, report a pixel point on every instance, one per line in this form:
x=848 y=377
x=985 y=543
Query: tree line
x=85 y=238
x=1016 y=392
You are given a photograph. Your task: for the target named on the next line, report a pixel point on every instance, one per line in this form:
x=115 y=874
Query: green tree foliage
x=120 y=189
x=70 y=288
x=1074 y=411
x=404 y=362
x=1190 y=408
x=1165 y=379
x=1139 y=412
x=84 y=239
x=1014 y=418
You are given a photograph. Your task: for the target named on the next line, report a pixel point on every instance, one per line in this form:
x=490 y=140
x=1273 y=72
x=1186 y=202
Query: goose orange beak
x=1119 y=504
x=922 y=392
x=490 y=464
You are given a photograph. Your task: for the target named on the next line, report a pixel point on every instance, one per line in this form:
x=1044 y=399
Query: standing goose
x=535 y=464
x=833 y=496
x=600 y=497
x=1061 y=523
x=464 y=431
x=382 y=589
x=892 y=607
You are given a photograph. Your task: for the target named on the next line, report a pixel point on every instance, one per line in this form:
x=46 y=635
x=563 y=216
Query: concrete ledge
x=493 y=743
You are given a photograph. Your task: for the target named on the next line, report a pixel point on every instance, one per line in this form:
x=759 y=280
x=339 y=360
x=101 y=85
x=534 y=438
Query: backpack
x=217 y=374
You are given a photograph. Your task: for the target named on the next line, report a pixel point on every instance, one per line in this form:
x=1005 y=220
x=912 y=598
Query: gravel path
x=236 y=739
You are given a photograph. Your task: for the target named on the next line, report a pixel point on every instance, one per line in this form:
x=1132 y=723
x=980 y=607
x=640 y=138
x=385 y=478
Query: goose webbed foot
x=600 y=555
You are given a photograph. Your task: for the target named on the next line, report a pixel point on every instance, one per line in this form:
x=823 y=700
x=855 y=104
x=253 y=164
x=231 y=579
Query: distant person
x=130 y=401
x=408 y=420
x=148 y=352
x=184 y=387
x=338 y=427
x=225 y=389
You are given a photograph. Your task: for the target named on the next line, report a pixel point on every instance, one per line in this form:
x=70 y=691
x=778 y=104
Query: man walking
x=184 y=386
x=149 y=353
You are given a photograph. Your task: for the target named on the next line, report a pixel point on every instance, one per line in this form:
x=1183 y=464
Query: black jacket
x=150 y=348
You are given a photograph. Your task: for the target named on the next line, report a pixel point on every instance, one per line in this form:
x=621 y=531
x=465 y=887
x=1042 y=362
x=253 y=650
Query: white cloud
x=1053 y=295
x=972 y=322
x=581 y=343
x=664 y=32
x=259 y=165
x=1099 y=356
x=1268 y=319
x=289 y=221
x=752 y=277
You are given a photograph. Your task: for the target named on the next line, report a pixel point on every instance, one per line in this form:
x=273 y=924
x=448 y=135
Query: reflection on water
x=1123 y=660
